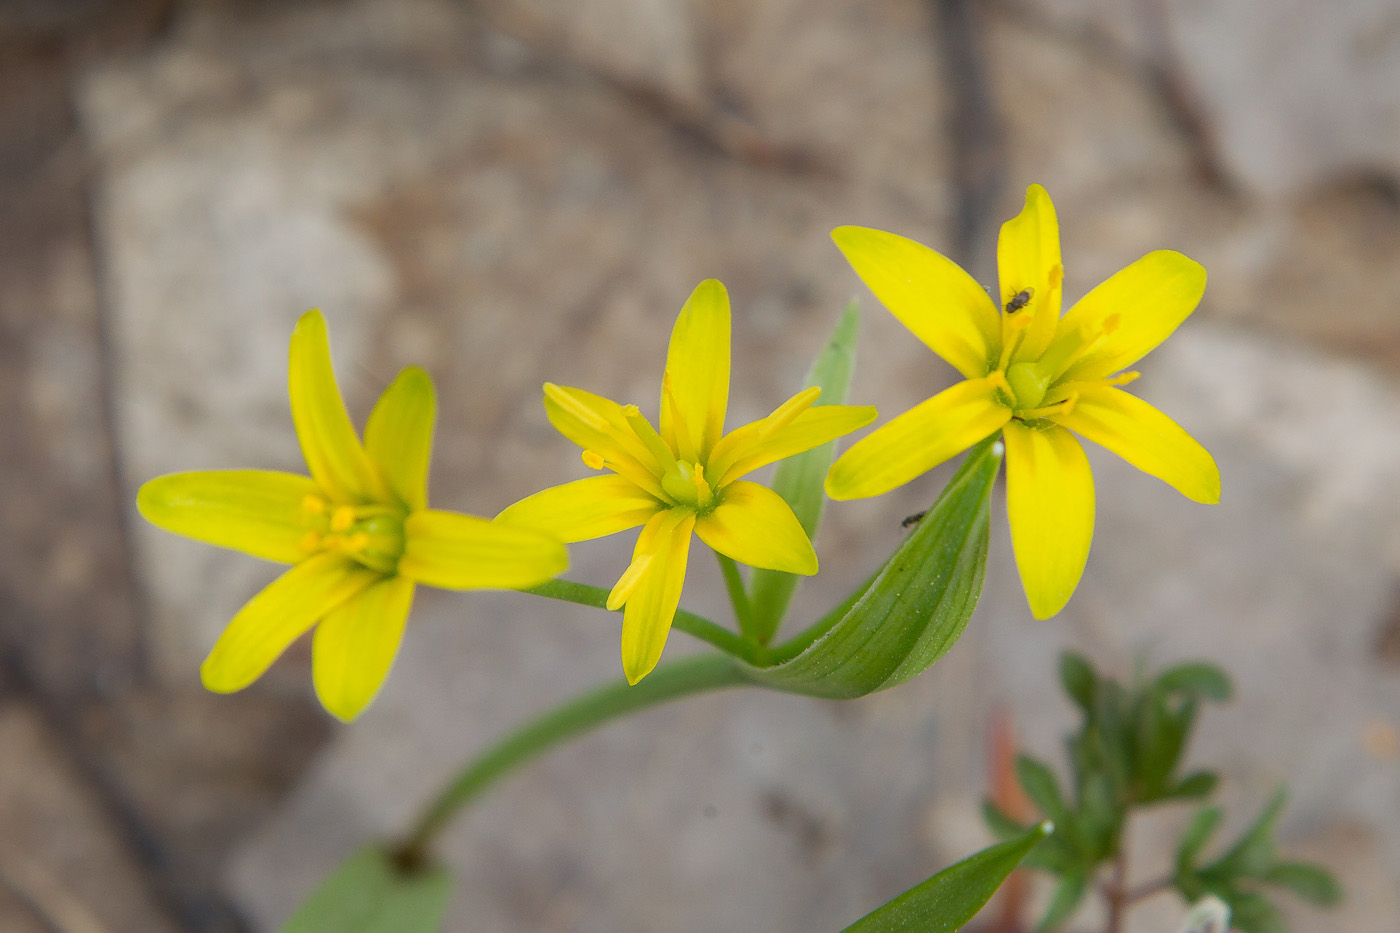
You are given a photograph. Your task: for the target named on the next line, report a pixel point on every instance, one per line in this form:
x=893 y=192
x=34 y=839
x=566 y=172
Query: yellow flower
x=681 y=478
x=358 y=532
x=1034 y=376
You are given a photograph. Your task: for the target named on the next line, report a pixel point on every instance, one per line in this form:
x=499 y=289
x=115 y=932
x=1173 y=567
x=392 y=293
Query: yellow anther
x=1111 y=323
x=593 y=460
x=1060 y=408
x=704 y=496
x=357 y=542
x=1123 y=379
x=1057 y=275
x=311 y=540
x=343 y=518
x=313 y=504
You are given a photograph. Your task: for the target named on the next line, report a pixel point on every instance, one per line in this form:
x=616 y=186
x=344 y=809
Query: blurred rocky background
x=509 y=191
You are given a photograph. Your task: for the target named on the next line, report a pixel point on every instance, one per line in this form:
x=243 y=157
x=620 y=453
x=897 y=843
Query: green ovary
x=685 y=483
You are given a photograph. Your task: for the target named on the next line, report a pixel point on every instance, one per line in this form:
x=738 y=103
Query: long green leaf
x=951 y=898
x=369 y=893
x=916 y=607
x=799 y=479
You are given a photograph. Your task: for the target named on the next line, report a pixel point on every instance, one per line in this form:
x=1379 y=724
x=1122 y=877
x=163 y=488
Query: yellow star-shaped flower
x=685 y=476
x=1033 y=375
x=358 y=533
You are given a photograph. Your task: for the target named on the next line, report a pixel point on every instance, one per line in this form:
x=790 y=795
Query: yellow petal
x=1135 y=310
x=584 y=509
x=258 y=512
x=599 y=425
x=930 y=294
x=1028 y=257
x=1050 y=503
x=745 y=449
x=328 y=440
x=1146 y=438
x=464 y=552
x=278 y=616
x=354 y=646
x=697 y=373
x=753 y=525
x=918 y=440
x=399 y=435
x=652 y=605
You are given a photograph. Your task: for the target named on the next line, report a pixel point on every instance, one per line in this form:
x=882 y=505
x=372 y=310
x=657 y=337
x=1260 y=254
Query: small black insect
x=1019 y=300
x=913 y=520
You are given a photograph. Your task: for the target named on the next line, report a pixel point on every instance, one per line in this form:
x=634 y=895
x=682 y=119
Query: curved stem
x=738 y=596
x=697 y=626
x=668 y=682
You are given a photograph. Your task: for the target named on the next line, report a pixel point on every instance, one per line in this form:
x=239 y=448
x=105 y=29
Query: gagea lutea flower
x=358 y=533
x=684 y=475
x=1033 y=375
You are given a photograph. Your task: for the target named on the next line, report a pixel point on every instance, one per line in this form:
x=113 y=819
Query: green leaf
x=1068 y=893
x=916 y=607
x=1040 y=785
x=1079 y=680
x=1251 y=912
x=369 y=893
x=1198 y=677
x=1198 y=833
x=1162 y=736
x=1310 y=882
x=799 y=479
x=951 y=898
x=1253 y=855
x=1195 y=785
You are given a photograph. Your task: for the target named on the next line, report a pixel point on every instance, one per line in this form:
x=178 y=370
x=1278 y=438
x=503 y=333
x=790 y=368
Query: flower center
x=685 y=483
x=369 y=534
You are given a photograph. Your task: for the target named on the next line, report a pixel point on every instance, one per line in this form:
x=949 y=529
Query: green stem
x=738 y=596
x=698 y=626
x=668 y=682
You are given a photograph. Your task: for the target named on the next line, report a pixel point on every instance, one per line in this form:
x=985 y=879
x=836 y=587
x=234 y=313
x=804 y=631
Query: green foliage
x=1128 y=754
x=370 y=893
x=799 y=479
x=951 y=898
x=916 y=606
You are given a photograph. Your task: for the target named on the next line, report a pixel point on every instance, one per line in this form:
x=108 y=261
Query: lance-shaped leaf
x=915 y=608
x=370 y=893
x=951 y=898
x=799 y=479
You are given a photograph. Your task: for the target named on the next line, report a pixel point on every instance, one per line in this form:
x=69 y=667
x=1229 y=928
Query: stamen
x=343 y=518
x=1049 y=411
x=704 y=496
x=787 y=412
x=1057 y=275
x=1123 y=379
x=357 y=542
x=313 y=504
x=593 y=460
x=628 y=582
x=648 y=436
x=310 y=541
